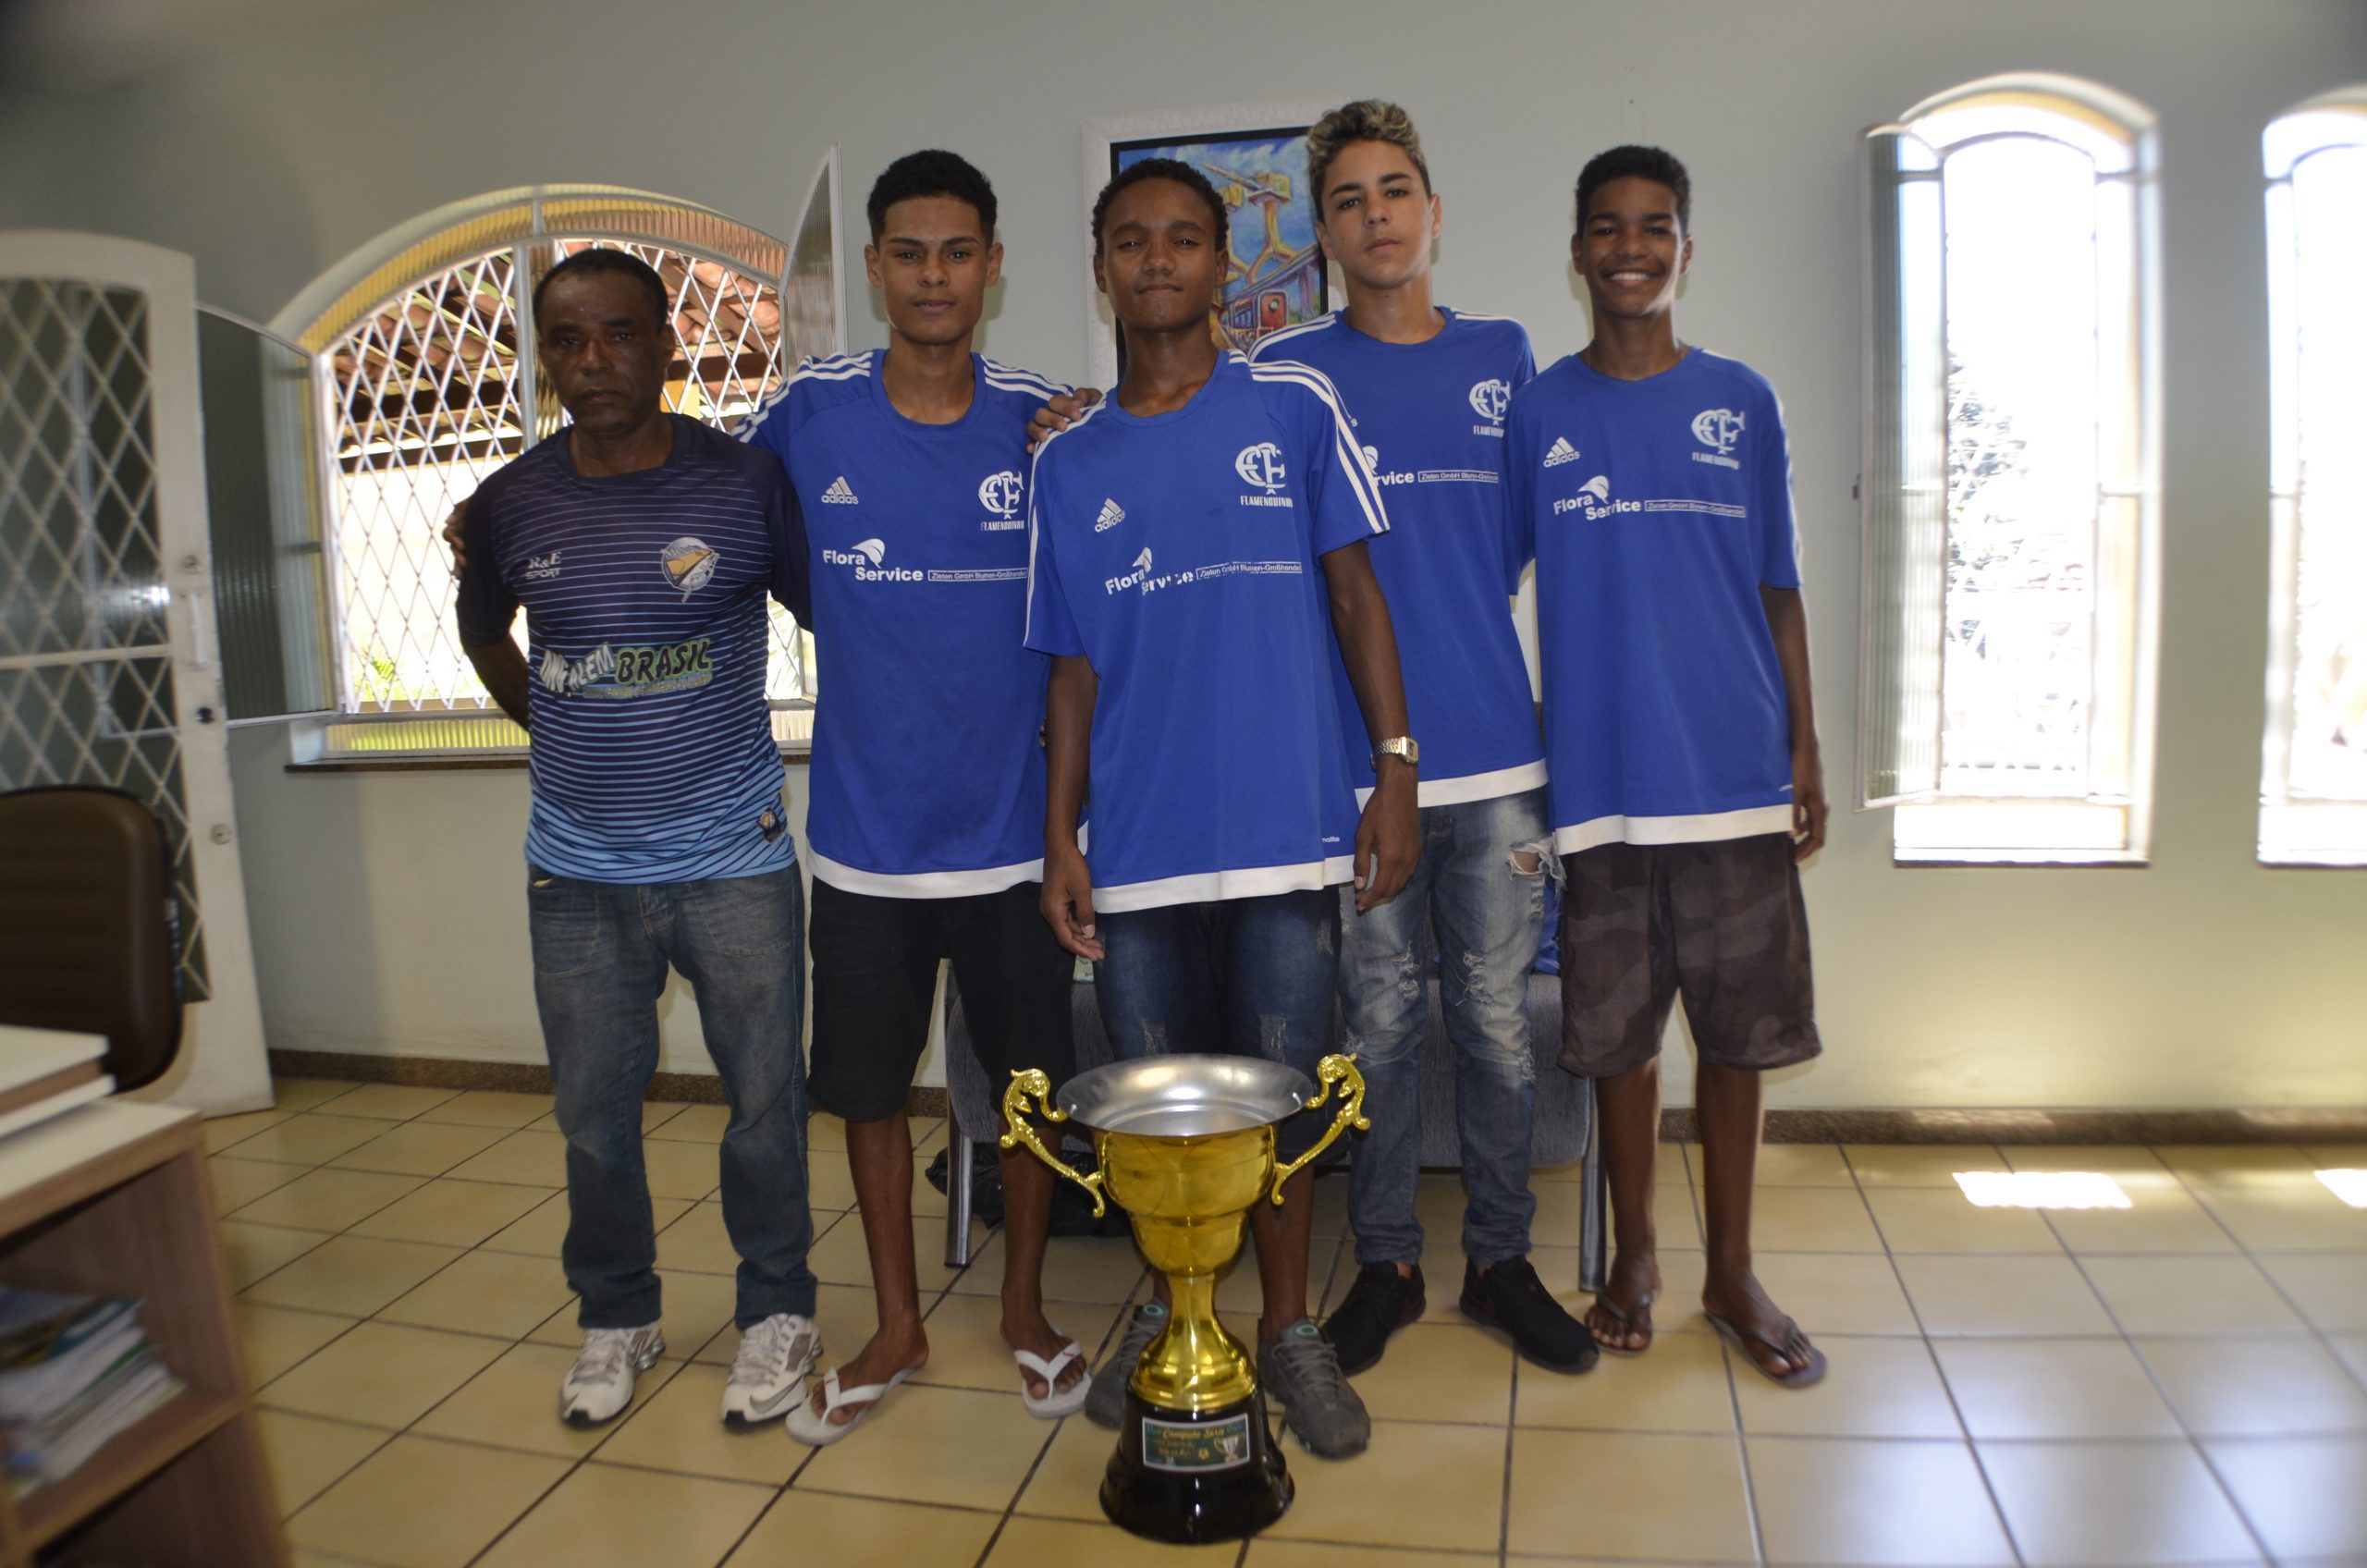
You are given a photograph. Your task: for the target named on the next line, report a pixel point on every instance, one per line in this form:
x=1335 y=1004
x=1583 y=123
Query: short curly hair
x=1162 y=168
x=1367 y=120
x=1643 y=163
x=931 y=172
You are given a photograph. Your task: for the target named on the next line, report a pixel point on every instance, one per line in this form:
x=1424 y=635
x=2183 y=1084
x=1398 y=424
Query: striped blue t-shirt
x=1179 y=553
x=652 y=756
x=927 y=775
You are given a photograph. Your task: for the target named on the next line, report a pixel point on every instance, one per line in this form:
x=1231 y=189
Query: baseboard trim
x=514 y=1077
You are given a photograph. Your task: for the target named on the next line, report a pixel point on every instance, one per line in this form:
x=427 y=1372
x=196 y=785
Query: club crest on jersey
x=1720 y=429
x=1001 y=493
x=688 y=564
x=1260 y=465
x=1489 y=400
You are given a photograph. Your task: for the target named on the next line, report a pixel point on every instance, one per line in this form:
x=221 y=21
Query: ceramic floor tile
x=697 y=1242
x=514 y=1403
x=2053 y=1388
x=2302 y=1495
x=2353 y=1348
x=307 y=1454
x=1874 y=1387
x=2329 y=1287
x=2162 y=1216
x=2117 y=1160
x=694 y=1125
x=2234 y=1164
x=1897 y=1503
x=543 y=1228
x=1832 y=1293
x=1934 y=1219
x=381 y=1374
x=1624 y=1494
x=2335 y=1157
x=272 y=1338
x=1417 y=1486
x=1812 y=1219
x=962 y=1446
x=816 y=1528
x=1061 y=1543
x=450 y=1212
x=251 y=1252
x=1067 y=1481
x=828 y=1183
x=1444 y=1372
x=398 y=1102
x=824 y=1131
x=1680 y=1385
x=502 y=1295
x=305 y=1093
x=1102 y=1270
x=965 y=1342
x=421 y=1503
x=2110 y=1503
x=326 y=1200
x=2190 y=1296
x=1677 y=1216
x=1804 y=1165
x=2298 y=1215
x=1972 y=1294
x=837 y=1257
x=1561 y=1210
x=420 y=1148
x=675 y=1171
x=237 y=1183
x=353 y=1276
x=1266 y=1552
x=227 y=1132
x=697 y=1309
x=489 y=1108
x=1919 y=1165
x=2264 y=1388
x=679 y=1428
x=530 y=1159
x=311 y=1139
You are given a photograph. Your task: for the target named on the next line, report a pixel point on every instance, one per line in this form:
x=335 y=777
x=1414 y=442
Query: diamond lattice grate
x=427 y=404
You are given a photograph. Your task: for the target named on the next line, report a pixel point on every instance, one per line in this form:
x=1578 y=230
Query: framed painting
x=1256 y=156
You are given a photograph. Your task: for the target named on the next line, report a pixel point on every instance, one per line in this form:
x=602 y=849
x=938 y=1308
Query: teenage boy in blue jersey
x=1652 y=481
x=926 y=827
x=1427 y=388
x=641 y=546
x=1198 y=541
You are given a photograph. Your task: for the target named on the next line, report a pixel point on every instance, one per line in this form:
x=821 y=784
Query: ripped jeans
x=1487 y=912
x=1230 y=978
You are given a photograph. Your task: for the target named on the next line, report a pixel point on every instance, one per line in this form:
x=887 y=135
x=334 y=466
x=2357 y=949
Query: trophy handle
x=1014 y=1116
x=1330 y=1070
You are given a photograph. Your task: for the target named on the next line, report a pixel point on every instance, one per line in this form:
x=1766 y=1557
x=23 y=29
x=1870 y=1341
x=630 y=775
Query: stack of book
x=74 y=1371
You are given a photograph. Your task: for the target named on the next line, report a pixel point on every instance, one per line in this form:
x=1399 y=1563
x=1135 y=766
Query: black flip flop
x=1743 y=1339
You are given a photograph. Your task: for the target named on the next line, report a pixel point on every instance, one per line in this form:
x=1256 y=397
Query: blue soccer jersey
x=1179 y=554
x=652 y=756
x=1430 y=419
x=1657 y=510
x=928 y=770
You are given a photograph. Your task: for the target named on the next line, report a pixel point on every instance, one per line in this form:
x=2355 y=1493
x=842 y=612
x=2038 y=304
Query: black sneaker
x=1381 y=1301
x=1510 y=1296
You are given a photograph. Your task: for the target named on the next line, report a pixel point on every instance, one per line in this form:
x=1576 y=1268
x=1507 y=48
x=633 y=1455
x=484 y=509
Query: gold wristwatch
x=1402 y=746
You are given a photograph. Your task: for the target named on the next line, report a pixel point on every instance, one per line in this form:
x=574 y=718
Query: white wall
x=386 y=913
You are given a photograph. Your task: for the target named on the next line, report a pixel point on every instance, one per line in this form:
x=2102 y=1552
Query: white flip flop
x=819 y=1431
x=1057 y=1402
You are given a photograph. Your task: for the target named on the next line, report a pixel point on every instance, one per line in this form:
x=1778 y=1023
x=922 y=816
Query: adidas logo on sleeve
x=1559 y=453
x=1112 y=514
x=842 y=494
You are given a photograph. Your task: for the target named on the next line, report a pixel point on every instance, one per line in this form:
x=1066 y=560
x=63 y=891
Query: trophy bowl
x=1185 y=1145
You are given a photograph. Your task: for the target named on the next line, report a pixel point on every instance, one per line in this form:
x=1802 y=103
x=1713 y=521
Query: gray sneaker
x=1105 y=1402
x=1300 y=1371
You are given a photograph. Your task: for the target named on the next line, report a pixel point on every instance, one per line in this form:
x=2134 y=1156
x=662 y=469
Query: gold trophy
x=1186 y=1147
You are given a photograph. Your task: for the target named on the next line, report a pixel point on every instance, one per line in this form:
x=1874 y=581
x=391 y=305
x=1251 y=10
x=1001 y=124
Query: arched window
x=2313 y=784
x=426 y=382
x=2010 y=490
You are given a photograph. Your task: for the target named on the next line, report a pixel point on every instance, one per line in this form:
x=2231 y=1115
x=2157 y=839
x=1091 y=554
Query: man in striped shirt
x=641 y=546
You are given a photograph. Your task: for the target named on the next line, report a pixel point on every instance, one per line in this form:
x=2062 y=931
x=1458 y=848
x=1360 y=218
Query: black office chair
x=87 y=925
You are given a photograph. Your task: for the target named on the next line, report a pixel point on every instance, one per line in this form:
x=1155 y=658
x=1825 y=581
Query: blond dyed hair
x=1367 y=120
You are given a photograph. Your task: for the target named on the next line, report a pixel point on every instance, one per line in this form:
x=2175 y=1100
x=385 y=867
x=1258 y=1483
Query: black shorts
x=1720 y=923
x=875 y=977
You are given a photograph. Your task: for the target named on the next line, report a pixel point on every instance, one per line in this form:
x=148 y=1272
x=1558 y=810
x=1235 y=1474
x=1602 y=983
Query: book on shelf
x=75 y=1371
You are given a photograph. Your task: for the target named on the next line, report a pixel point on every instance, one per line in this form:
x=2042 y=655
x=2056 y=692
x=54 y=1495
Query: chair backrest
x=86 y=924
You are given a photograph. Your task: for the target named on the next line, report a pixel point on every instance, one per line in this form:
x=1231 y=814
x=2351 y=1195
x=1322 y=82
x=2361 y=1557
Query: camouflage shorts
x=1721 y=923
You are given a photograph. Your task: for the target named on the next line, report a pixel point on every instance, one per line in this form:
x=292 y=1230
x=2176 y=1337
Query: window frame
x=1903 y=486
x=2295 y=827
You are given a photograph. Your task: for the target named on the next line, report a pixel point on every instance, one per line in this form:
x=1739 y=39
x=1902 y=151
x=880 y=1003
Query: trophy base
x=1217 y=1475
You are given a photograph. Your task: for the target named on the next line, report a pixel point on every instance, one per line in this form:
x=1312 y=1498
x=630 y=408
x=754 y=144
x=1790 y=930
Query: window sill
x=798 y=758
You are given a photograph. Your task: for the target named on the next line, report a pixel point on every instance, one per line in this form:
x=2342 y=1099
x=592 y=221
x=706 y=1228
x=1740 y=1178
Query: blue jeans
x=1486 y=916
x=601 y=953
x=1232 y=977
